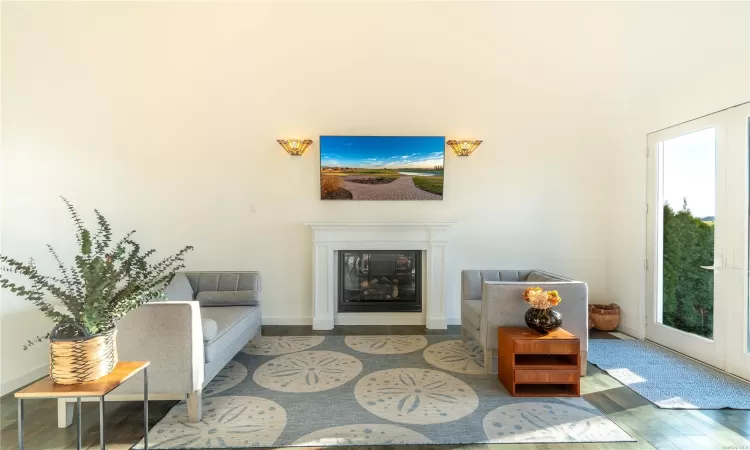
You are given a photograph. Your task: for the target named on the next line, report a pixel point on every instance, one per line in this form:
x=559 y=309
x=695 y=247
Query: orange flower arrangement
x=541 y=299
x=528 y=293
x=554 y=298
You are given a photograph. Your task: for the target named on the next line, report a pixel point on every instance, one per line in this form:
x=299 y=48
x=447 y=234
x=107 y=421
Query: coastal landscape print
x=381 y=167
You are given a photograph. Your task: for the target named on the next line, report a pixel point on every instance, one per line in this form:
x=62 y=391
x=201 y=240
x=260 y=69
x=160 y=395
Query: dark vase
x=543 y=320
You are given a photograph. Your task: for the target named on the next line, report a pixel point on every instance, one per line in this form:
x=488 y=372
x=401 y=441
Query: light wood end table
x=46 y=388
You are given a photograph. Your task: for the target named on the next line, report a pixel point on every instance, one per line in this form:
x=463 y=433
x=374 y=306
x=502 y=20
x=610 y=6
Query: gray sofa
x=493 y=298
x=206 y=319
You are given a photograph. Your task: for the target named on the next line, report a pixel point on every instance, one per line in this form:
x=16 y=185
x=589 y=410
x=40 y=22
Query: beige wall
x=164 y=116
x=698 y=63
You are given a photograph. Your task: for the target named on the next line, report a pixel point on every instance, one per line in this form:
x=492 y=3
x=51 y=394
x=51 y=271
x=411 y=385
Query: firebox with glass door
x=380 y=281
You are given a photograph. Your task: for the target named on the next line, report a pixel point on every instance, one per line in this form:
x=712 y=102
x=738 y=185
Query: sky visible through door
x=689 y=170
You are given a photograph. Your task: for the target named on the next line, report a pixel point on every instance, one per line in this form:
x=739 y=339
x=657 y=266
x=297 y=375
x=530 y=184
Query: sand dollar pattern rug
x=281 y=345
x=358 y=390
x=232 y=375
x=362 y=434
x=313 y=371
x=227 y=422
x=416 y=396
x=457 y=356
x=549 y=422
x=387 y=344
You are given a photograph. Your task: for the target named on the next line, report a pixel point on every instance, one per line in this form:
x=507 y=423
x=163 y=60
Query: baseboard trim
x=23 y=380
x=437 y=323
x=286 y=320
x=322 y=323
x=632 y=332
x=453 y=320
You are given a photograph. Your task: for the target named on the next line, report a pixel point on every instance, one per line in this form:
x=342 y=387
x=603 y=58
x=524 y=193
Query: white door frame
x=729 y=350
x=738 y=137
x=710 y=351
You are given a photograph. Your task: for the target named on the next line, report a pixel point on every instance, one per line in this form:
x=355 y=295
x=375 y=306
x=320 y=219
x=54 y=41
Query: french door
x=697 y=239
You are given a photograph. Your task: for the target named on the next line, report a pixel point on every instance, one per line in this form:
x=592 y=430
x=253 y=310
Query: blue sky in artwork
x=382 y=151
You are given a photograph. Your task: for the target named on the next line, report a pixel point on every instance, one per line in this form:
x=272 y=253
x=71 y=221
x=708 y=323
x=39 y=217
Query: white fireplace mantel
x=329 y=238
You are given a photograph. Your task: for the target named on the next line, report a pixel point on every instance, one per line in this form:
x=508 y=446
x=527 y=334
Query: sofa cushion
x=227 y=298
x=210 y=328
x=472 y=310
x=231 y=321
x=179 y=289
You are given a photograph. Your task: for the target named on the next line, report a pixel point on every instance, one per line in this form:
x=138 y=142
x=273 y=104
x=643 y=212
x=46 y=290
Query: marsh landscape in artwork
x=381 y=167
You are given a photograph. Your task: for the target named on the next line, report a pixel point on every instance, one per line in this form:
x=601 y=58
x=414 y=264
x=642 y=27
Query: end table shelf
x=536 y=365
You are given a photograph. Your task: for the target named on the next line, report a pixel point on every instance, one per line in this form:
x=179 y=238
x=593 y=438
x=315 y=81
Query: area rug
x=667 y=379
x=372 y=390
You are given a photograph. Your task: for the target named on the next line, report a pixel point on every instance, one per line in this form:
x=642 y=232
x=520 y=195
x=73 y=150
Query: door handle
x=715 y=267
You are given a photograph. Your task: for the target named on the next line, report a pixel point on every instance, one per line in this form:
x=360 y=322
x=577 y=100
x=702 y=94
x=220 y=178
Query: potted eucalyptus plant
x=103 y=283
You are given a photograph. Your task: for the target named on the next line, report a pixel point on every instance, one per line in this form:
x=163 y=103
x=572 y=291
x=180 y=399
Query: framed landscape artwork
x=381 y=167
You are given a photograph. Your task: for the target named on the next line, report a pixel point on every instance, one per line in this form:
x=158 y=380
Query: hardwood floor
x=653 y=427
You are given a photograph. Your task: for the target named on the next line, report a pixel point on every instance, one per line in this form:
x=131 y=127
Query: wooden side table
x=46 y=388
x=536 y=365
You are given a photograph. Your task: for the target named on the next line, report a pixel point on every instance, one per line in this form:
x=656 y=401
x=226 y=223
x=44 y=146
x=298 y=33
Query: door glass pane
x=689 y=193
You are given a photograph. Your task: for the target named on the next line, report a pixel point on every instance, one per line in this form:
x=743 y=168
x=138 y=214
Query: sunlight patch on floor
x=627 y=377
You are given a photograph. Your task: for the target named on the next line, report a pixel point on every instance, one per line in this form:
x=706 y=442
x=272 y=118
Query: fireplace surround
x=329 y=239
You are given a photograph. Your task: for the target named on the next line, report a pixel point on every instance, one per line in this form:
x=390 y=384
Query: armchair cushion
x=471 y=280
x=227 y=298
x=539 y=276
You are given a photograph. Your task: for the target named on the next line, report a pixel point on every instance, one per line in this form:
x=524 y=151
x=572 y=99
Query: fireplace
x=429 y=239
x=380 y=281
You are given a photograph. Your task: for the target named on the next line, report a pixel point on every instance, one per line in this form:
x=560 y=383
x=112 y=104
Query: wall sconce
x=295 y=147
x=464 y=148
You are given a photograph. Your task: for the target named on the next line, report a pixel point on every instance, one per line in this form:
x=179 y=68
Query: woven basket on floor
x=604 y=317
x=81 y=359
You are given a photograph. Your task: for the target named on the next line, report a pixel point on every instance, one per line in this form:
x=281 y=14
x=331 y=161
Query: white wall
x=699 y=64
x=164 y=116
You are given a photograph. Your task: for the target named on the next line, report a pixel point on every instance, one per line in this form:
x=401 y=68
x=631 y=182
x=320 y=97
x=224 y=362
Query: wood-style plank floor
x=652 y=426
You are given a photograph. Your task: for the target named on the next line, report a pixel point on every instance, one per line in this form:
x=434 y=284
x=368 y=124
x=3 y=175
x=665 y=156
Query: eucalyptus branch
x=76 y=219
x=71 y=280
x=30 y=272
x=103 y=236
x=34 y=341
x=37 y=299
x=104 y=282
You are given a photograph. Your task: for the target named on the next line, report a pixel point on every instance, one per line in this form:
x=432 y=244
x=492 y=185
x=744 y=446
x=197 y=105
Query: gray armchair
x=493 y=298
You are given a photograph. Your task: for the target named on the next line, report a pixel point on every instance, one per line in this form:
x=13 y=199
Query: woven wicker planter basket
x=604 y=317
x=81 y=359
